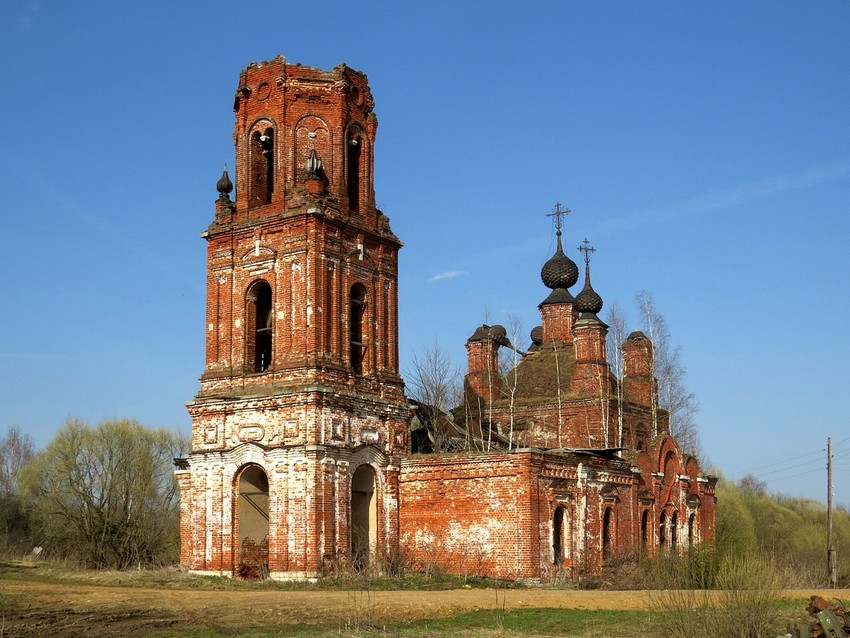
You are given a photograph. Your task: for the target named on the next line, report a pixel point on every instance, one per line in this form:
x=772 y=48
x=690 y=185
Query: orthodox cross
x=587 y=249
x=558 y=212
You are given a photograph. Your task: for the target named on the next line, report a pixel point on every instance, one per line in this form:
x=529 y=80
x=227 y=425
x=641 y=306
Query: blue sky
x=704 y=149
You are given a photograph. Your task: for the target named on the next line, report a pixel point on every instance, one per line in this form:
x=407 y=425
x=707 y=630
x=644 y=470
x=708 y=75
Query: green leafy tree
x=106 y=495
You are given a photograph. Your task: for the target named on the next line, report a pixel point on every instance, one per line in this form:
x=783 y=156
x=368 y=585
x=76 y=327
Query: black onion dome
x=224 y=185
x=537 y=335
x=588 y=300
x=560 y=271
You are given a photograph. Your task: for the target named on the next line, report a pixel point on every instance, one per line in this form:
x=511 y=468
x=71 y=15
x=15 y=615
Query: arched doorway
x=253 y=523
x=364 y=516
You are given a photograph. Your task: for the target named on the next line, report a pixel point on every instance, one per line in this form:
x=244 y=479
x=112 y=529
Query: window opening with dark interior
x=607 y=534
x=357 y=308
x=691 y=521
x=355 y=144
x=558 y=536
x=262 y=166
x=644 y=529
x=674 y=523
x=263 y=326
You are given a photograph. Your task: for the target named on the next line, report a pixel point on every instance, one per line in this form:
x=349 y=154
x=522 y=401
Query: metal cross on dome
x=558 y=212
x=587 y=249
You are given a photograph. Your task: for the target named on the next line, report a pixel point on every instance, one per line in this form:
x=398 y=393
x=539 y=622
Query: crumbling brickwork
x=301 y=409
x=301 y=435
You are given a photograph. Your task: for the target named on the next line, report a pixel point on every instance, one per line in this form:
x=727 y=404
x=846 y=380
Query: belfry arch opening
x=353 y=156
x=357 y=310
x=262 y=164
x=252 y=512
x=364 y=516
x=259 y=327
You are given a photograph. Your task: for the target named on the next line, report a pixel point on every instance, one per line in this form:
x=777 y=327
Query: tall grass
x=744 y=602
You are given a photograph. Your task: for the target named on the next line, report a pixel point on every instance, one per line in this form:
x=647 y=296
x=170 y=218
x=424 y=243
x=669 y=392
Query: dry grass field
x=38 y=601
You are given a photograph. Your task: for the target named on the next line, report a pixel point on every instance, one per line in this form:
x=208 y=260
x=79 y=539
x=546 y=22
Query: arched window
x=674 y=521
x=669 y=468
x=262 y=167
x=259 y=327
x=607 y=534
x=252 y=512
x=662 y=530
x=357 y=310
x=644 y=529
x=364 y=516
x=355 y=150
x=691 y=529
x=560 y=546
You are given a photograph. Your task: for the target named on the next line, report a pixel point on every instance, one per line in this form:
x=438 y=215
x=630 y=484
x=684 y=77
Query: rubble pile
x=825 y=620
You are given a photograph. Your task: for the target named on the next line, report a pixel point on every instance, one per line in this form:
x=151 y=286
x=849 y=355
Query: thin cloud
x=29 y=14
x=108 y=229
x=730 y=197
x=449 y=274
x=32 y=356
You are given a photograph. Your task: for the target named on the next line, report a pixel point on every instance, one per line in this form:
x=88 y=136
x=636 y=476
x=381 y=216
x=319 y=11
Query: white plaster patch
x=251 y=433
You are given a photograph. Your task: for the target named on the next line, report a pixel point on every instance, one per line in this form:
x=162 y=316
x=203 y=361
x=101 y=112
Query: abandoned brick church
x=306 y=455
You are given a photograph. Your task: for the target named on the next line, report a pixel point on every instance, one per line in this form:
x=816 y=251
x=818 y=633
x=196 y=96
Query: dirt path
x=68 y=610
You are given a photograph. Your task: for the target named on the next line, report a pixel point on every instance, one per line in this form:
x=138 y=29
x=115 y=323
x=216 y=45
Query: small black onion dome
x=224 y=185
x=495 y=333
x=537 y=335
x=560 y=271
x=588 y=300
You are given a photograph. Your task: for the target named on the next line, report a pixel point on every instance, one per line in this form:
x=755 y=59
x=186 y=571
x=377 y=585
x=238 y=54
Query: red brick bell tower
x=301 y=408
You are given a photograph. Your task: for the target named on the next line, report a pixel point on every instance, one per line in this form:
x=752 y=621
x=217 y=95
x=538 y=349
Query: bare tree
x=434 y=383
x=616 y=321
x=680 y=404
x=16 y=450
x=509 y=359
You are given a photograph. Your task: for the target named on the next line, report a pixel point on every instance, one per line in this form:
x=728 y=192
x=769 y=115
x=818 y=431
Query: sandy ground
x=61 y=610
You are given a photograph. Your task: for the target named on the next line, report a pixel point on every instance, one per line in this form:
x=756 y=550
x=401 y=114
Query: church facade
x=303 y=442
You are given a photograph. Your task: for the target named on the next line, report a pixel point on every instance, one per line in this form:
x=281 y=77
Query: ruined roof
x=541 y=374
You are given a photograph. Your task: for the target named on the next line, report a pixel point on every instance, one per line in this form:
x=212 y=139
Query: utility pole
x=830 y=550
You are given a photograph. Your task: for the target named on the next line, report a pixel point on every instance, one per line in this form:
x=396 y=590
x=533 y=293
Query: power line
x=785 y=478
x=785 y=461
